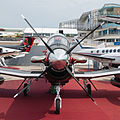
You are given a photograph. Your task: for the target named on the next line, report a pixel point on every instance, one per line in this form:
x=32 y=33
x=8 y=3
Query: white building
x=7 y=32
x=46 y=32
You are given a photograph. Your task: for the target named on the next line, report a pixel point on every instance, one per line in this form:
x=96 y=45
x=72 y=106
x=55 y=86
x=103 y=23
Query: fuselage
x=17 y=50
x=57 y=74
x=111 y=52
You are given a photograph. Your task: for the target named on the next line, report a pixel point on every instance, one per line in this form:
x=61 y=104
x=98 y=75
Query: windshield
x=58 y=39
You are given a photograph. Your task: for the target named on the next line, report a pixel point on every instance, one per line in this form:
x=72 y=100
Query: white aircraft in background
x=109 y=56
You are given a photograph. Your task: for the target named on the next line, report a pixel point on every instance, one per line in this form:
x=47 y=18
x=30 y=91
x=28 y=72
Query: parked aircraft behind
x=109 y=56
x=15 y=51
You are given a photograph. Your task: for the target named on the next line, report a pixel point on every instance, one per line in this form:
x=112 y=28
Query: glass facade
x=88 y=21
x=72 y=24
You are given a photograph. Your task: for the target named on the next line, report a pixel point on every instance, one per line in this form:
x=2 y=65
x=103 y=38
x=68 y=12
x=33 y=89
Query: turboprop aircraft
x=59 y=63
x=15 y=51
x=109 y=56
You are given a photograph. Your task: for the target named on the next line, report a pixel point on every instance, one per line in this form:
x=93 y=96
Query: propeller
x=48 y=47
x=68 y=70
x=68 y=52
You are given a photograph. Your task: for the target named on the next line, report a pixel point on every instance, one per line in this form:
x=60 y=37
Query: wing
x=20 y=73
x=96 y=74
x=6 y=54
x=95 y=57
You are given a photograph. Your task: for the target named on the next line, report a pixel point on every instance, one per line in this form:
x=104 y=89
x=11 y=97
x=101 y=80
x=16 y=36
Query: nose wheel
x=58 y=100
x=57 y=106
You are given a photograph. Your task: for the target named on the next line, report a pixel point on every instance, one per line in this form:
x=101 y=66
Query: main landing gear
x=25 y=92
x=26 y=87
x=58 y=100
x=88 y=86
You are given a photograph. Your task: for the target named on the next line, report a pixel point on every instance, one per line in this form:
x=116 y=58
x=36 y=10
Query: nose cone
x=58 y=64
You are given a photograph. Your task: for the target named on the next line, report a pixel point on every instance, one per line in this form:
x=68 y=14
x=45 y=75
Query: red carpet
x=39 y=105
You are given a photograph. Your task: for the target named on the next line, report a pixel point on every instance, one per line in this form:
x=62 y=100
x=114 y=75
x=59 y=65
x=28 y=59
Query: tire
x=89 y=89
x=57 y=106
x=106 y=67
x=25 y=92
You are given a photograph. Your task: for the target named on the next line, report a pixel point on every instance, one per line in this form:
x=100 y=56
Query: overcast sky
x=45 y=13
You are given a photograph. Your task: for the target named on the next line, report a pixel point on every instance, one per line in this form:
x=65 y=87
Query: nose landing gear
x=58 y=100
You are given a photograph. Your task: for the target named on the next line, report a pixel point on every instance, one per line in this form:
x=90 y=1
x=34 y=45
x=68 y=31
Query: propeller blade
x=68 y=52
x=48 y=47
x=21 y=84
x=43 y=72
x=68 y=70
x=92 y=84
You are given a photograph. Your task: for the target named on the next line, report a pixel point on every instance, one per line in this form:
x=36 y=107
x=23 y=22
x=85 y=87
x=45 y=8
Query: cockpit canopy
x=58 y=40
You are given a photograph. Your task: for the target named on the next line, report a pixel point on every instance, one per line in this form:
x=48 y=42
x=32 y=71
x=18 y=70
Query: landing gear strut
x=25 y=92
x=58 y=100
x=87 y=87
x=25 y=89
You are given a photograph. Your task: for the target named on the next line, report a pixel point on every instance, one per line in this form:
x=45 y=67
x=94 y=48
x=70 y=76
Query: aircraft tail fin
x=26 y=44
x=77 y=42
